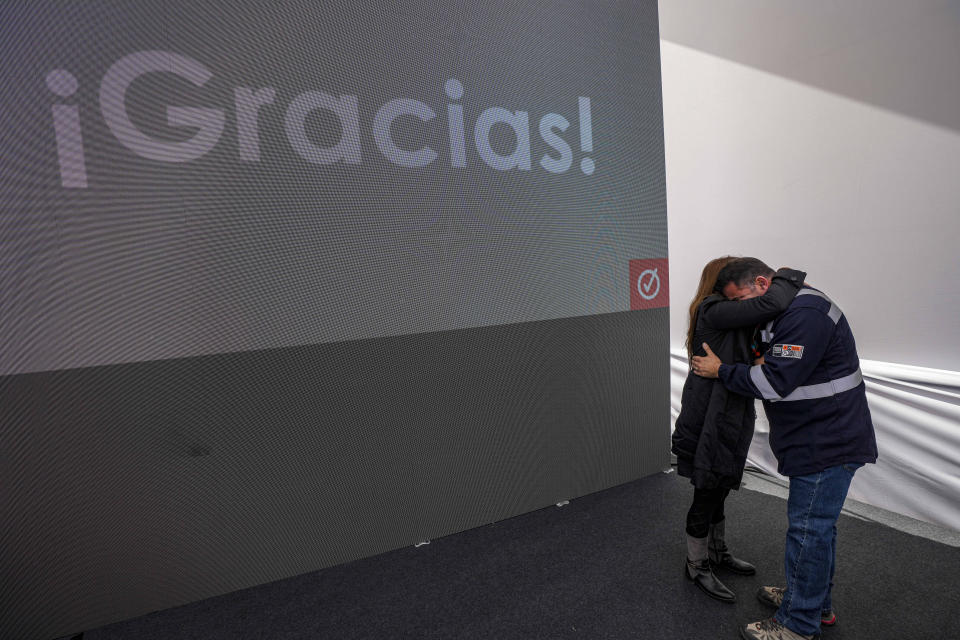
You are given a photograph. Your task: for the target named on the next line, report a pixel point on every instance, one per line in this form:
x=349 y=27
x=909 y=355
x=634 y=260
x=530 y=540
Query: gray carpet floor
x=608 y=565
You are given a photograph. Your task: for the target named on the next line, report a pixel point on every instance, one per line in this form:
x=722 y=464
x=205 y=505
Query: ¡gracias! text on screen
x=209 y=124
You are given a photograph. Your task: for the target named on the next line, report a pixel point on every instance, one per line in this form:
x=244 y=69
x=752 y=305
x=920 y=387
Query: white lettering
x=248 y=106
x=548 y=123
x=458 y=143
x=113 y=92
x=381 y=132
x=346 y=109
x=519 y=122
x=66 y=125
x=208 y=124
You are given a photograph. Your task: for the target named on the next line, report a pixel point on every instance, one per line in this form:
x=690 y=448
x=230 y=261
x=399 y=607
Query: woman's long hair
x=708 y=284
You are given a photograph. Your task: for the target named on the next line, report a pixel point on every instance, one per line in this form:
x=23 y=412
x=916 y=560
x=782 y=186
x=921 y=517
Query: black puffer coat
x=715 y=427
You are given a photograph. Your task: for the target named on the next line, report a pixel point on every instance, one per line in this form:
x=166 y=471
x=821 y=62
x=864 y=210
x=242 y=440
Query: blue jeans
x=812 y=510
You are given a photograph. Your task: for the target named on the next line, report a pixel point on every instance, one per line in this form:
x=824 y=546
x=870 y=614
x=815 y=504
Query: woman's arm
x=731 y=314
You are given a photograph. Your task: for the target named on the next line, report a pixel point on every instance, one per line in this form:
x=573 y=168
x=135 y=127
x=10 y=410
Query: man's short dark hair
x=742 y=272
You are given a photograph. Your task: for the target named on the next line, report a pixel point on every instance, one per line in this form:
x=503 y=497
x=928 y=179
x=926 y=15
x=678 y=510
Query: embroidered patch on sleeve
x=788 y=350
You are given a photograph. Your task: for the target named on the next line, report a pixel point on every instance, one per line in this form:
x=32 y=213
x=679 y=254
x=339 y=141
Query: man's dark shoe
x=773 y=596
x=702 y=576
x=720 y=556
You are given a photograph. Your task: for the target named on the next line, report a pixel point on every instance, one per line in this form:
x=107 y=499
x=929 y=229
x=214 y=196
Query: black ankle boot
x=720 y=556
x=698 y=569
x=703 y=577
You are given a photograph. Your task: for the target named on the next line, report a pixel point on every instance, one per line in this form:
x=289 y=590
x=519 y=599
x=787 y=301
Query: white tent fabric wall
x=826 y=137
x=916 y=414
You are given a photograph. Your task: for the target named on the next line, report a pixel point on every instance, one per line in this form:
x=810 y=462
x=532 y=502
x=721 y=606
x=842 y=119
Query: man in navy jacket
x=820 y=432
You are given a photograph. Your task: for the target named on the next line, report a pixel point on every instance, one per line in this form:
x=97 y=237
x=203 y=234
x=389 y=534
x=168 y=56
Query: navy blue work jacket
x=811 y=387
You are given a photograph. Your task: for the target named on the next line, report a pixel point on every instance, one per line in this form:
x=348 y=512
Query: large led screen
x=184 y=178
x=287 y=284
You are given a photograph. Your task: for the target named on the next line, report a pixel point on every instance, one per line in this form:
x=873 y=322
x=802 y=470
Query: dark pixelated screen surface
x=184 y=178
x=288 y=284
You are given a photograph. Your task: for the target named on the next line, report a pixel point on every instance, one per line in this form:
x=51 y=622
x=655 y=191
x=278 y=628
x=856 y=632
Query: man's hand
x=706 y=366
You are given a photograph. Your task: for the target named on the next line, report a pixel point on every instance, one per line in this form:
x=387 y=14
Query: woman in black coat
x=715 y=427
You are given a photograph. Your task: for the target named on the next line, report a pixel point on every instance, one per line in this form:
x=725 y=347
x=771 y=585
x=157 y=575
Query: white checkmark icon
x=645 y=288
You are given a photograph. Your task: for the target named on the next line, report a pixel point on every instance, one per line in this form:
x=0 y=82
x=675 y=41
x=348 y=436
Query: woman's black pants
x=707 y=509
